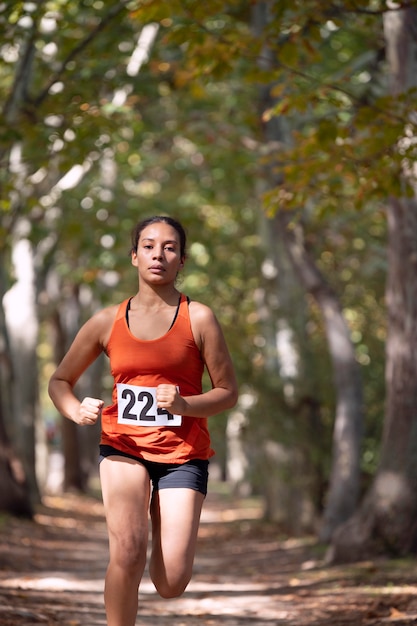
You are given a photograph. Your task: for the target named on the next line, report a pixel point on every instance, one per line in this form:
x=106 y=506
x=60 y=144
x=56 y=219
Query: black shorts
x=190 y=475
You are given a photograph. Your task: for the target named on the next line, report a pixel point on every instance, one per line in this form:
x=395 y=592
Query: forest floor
x=52 y=571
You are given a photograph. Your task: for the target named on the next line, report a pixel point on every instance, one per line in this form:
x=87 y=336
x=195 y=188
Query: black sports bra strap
x=173 y=321
x=176 y=314
x=127 y=311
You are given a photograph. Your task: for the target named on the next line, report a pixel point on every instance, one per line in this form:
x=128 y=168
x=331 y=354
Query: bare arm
x=224 y=392
x=86 y=347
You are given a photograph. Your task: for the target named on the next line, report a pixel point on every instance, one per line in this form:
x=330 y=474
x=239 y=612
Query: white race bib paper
x=137 y=407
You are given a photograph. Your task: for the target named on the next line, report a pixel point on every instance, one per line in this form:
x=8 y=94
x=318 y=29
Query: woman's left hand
x=168 y=397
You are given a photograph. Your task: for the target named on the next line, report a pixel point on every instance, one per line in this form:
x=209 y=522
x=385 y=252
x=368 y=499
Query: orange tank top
x=132 y=423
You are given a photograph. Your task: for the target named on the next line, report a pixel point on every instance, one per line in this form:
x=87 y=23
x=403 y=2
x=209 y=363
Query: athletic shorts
x=190 y=475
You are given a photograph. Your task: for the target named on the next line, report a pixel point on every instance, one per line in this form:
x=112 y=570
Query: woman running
x=155 y=445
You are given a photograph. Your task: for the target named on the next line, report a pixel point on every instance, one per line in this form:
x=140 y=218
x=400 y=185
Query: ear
x=134 y=258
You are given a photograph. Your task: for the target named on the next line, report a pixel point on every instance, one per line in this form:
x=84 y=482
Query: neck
x=150 y=295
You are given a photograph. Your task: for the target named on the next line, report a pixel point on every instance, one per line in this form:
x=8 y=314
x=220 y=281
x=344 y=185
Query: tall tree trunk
x=342 y=497
x=287 y=474
x=387 y=519
x=6 y=367
x=91 y=384
x=21 y=398
x=347 y=434
x=14 y=492
x=22 y=325
x=64 y=326
x=79 y=444
x=280 y=462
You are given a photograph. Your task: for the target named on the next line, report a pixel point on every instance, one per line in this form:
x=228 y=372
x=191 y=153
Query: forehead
x=160 y=230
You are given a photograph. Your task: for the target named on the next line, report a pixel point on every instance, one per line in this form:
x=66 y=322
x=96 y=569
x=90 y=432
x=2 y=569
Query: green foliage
x=87 y=149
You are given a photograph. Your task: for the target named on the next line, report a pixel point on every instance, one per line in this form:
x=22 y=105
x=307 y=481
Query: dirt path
x=51 y=572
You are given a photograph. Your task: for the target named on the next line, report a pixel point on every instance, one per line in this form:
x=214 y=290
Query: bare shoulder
x=201 y=314
x=204 y=323
x=99 y=326
x=89 y=342
x=106 y=315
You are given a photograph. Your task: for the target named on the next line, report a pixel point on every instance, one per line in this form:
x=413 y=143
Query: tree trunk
x=64 y=326
x=6 y=368
x=281 y=461
x=79 y=444
x=22 y=326
x=343 y=492
x=347 y=434
x=14 y=492
x=387 y=519
x=88 y=438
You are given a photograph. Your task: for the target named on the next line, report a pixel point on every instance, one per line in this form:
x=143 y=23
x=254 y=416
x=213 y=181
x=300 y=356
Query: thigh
x=126 y=490
x=175 y=520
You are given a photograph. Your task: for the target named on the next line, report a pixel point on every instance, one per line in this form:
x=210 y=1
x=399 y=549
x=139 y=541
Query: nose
x=158 y=252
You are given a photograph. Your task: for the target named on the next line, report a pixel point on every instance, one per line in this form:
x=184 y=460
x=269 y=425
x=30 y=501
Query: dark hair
x=136 y=232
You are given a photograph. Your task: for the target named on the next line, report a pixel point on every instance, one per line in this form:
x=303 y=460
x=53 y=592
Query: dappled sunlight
x=246 y=572
x=390 y=488
x=53 y=582
x=231 y=514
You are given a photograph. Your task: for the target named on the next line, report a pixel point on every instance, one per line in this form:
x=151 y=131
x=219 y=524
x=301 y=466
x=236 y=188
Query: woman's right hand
x=89 y=411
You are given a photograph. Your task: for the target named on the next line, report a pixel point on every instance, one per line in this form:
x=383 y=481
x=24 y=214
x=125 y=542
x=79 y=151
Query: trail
x=246 y=574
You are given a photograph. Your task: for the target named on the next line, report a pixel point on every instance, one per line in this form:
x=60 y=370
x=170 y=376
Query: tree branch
x=113 y=13
x=19 y=88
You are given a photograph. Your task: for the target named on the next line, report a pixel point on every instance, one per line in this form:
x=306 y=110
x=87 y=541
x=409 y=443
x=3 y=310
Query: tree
x=344 y=487
x=345 y=472
x=386 y=521
x=348 y=152
x=15 y=494
x=37 y=78
x=106 y=163
x=184 y=137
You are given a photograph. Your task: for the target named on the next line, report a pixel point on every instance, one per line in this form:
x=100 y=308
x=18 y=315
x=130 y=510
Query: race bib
x=136 y=406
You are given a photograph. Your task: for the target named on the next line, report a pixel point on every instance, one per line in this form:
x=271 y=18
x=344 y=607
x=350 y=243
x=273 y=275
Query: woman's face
x=158 y=255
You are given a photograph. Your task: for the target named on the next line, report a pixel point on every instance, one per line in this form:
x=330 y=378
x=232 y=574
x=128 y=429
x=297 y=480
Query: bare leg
x=175 y=519
x=126 y=493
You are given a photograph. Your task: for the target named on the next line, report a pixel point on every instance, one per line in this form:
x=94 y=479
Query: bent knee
x=169 y=590
x=167 y=593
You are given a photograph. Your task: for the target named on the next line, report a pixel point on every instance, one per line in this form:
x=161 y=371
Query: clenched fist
x=89 y=411
x=168 y=397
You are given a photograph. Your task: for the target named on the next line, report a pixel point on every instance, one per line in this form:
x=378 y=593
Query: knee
x=167 y=592
x=128 y=561
x=128 y=556
x=171 y=587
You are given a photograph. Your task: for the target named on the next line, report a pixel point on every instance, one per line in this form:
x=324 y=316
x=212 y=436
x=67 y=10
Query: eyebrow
x=167 y=241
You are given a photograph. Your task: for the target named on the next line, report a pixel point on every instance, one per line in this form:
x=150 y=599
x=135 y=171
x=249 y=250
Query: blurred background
x=282 y=136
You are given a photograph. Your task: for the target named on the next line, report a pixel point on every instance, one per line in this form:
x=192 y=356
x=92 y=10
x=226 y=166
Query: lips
x=157 y=268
